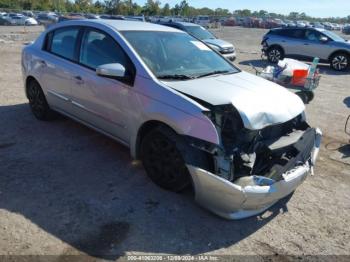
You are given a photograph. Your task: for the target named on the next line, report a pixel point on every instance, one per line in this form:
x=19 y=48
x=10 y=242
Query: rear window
x=63 y=42
x=293 y=33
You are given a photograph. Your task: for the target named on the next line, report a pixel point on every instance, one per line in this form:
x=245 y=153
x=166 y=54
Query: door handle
x=42 y=62
x=79 y=80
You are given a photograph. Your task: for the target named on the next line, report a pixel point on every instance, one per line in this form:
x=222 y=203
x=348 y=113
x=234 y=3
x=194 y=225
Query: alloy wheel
x=275 y=55
x=340 y=62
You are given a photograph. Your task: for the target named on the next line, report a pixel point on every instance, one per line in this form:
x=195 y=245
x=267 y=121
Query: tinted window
x=312 y=35
x=199 y=32
x=63 y=42
x=293 y=33
x=98 y=49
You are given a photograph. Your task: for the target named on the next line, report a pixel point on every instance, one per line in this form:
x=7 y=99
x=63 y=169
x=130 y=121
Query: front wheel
x=340 y=61
x=274 y=54
x=163 y=161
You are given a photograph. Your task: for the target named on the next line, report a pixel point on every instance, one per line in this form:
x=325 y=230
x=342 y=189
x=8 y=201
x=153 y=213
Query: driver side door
x=313 y=46
x=97 y=100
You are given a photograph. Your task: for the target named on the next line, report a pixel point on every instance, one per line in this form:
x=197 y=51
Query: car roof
x=295 y=27
x=123 y=25
x=183 y=23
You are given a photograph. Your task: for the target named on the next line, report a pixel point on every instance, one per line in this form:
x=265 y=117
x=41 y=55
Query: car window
x=199 y=32
x=98 y=49
x=313 y=35
x=293 y=33
x=170 y=53
x=63 y=42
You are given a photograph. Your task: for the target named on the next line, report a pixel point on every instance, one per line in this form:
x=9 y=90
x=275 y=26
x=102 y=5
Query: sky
x=316 y=8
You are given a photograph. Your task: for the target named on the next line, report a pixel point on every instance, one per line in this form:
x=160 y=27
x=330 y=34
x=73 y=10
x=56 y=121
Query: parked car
x=307 y=43
x=113 y=17
x=328 y=26
x=4 y=21
x=336 y=26
x=28 y=14
x=91 y=16
x=317 y=25
x=185 y=111
x=346 y=29
x=19 y=19
x=289 y=23
x=202 y=20
x=300 y=24
x=47 y=19
x=70 y=17
x=225 y=48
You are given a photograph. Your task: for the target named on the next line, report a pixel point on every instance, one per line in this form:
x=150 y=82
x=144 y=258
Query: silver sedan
x=189 y=114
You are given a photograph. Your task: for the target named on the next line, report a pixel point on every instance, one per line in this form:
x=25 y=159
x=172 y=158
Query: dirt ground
x=67 y=190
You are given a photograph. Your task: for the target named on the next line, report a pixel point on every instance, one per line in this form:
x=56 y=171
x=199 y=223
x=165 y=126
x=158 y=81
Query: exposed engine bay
x=269 y=152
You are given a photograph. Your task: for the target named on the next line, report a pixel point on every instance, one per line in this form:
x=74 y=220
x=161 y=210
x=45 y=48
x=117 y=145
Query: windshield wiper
x=217 y=72
x=176 y=77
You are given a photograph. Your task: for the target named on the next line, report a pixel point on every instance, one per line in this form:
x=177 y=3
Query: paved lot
x=65 y=189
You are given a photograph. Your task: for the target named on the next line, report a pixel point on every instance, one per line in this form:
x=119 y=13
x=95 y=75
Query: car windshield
x=178 y=56
x=334 y=36
x=199 y=32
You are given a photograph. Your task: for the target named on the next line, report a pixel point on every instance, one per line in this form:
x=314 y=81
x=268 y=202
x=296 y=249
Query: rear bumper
x=233 y=201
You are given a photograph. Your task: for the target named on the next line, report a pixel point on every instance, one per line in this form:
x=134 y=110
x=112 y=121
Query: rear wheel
x=340 y=61
x=38 y=103
x=274 y=54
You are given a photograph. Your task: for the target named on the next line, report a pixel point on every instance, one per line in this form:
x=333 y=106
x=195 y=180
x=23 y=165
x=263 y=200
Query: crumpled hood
x=218 y=42
x=259 y=102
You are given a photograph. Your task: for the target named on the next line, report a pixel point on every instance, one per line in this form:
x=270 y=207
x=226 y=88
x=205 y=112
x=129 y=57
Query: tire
x=306 y=97
x=163 y=153
x=38 y=103
x=340 y=61
x=274 y=54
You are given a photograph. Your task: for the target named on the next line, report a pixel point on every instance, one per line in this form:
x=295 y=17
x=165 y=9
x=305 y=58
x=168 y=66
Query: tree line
x=150 y=8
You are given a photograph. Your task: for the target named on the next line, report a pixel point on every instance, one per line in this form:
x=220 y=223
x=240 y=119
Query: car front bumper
x=233 y=201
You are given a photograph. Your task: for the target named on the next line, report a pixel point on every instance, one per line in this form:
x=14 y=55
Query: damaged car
x=187 y=113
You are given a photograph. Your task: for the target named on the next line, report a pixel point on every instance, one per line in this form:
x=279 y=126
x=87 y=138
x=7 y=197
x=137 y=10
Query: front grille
x=228 y=50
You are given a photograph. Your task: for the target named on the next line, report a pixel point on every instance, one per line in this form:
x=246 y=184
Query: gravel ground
x=67 y=190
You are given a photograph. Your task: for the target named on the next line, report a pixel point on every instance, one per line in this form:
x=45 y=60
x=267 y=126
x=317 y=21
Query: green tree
x=166 y=10
x=152 y=7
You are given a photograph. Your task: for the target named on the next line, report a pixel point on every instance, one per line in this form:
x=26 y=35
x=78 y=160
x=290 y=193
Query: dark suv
x=226 y=49
x=305 y=44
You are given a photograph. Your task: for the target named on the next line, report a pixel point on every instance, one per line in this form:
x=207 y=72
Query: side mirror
x=323 y=39
x=116 y=71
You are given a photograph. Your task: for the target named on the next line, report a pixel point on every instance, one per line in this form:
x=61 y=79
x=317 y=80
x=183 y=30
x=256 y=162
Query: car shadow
x=346 y=101
x=85 y=190
x=325 y=69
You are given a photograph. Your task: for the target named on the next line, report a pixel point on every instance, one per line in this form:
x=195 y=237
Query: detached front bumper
x=233 y=201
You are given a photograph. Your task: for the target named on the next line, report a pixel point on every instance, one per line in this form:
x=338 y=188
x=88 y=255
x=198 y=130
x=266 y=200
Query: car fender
x=177 y=111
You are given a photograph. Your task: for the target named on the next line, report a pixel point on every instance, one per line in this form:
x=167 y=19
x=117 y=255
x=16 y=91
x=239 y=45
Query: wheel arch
x=144 y=129
x=28 y=80
x=338 y=52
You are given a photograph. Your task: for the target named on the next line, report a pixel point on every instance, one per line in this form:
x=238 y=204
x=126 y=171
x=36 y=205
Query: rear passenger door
x=292 y=40
x=58 y=65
